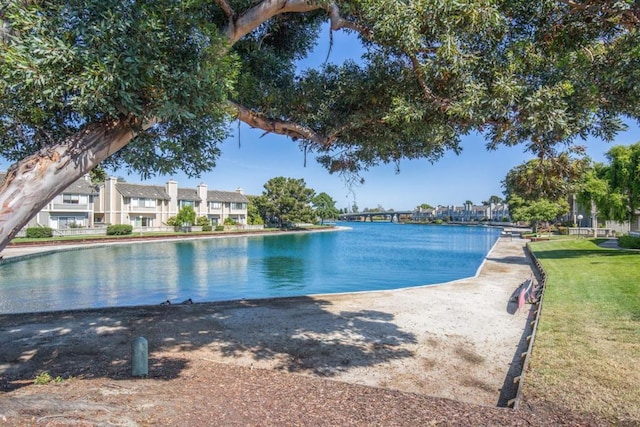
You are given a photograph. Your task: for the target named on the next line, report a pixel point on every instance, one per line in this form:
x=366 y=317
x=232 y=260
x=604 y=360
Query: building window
x=238 y=205
x=70 y=199
x=184 y=203
x=215 y=205
x=142 y=202
x=142 y=221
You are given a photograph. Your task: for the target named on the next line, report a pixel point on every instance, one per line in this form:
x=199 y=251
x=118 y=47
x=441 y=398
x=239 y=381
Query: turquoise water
x=363 y=258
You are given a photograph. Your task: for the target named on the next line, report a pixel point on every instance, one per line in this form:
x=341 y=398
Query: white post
x=139 y=357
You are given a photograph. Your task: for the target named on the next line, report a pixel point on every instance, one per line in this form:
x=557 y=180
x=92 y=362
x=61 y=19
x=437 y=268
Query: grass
x=587 y=347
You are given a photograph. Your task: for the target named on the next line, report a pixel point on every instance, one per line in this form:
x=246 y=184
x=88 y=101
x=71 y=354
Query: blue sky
x=253 y=159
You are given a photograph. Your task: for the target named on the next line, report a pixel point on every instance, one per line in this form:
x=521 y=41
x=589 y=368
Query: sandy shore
x=458 y=340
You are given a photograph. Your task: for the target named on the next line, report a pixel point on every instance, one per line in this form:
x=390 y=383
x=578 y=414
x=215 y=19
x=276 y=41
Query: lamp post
x=141 y=225
x=580 y=222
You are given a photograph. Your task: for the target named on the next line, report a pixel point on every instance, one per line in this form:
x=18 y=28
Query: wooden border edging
x=515 y=402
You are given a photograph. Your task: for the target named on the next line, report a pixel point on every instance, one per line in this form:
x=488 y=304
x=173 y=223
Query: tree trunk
x=34 y=181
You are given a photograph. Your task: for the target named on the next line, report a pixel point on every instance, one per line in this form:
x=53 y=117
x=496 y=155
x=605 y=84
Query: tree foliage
x=521 y=72
x=493 y=200
x=542 y=210
x=285 y=201
x=186 y=216
x=68 y=64
x=539 y=189
x=552 y=179
x=615 y=188
x=325 y=207
x=253 y=213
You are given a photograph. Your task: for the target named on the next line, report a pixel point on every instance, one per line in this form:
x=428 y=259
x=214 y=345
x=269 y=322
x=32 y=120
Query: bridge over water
x=391 y=216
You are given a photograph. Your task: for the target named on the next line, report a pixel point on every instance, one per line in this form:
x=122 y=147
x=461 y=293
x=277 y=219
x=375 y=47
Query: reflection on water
x=366 y=257
x=283 y=265
x=284 y=272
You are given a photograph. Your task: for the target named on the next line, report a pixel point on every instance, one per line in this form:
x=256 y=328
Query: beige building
x=83 y=205
x=73 y=208
x=151 y=205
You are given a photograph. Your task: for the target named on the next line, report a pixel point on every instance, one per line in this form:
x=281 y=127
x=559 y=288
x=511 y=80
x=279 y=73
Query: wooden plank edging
x=515 y=402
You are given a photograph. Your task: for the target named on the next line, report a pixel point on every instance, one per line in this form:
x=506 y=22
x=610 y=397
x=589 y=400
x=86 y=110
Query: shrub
x=219 y=227
x=203 y=221
x=119 y=229
x=39 y=232
x=629 y=242
x=229 y=221
x=207 y=227
x=186 y=216
x=172 y=221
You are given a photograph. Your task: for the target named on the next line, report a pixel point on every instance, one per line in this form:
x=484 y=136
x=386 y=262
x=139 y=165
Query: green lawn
x=586 y=355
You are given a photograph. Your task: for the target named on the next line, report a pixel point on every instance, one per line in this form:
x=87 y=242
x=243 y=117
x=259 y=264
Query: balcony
x=142 y=209
x=70 y=207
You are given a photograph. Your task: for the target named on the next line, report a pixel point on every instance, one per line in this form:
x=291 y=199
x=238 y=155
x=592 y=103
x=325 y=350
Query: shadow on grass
x=298 y=334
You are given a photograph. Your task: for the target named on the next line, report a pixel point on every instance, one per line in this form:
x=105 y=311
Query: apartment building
x=144 y=205
x=464 y=213
x=85 y=205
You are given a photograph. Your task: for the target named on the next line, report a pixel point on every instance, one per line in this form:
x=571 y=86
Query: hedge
x=119 y=229
x=629 y=242
x=39 y=232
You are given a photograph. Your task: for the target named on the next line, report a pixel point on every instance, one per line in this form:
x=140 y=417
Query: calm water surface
x=366 y=257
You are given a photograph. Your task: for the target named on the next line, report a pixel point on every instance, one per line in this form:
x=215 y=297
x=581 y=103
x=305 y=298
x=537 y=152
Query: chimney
x=202 y=195
x=172 y=191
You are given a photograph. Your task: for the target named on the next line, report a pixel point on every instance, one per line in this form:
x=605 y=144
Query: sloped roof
x=81 y=186
x=226 y=196
x=144 y=191
x=188 y=194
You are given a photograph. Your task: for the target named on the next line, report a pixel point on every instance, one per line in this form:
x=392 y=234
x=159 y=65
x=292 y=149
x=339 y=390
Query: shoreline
x=16 y=252
x=458 y=340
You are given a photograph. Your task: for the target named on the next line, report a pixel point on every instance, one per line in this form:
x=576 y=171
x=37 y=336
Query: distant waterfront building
x=464 y=213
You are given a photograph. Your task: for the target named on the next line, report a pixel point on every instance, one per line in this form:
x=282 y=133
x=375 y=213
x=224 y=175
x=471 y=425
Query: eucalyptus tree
x=153 y=86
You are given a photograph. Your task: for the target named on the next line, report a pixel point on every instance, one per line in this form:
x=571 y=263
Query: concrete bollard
x=139 y=357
